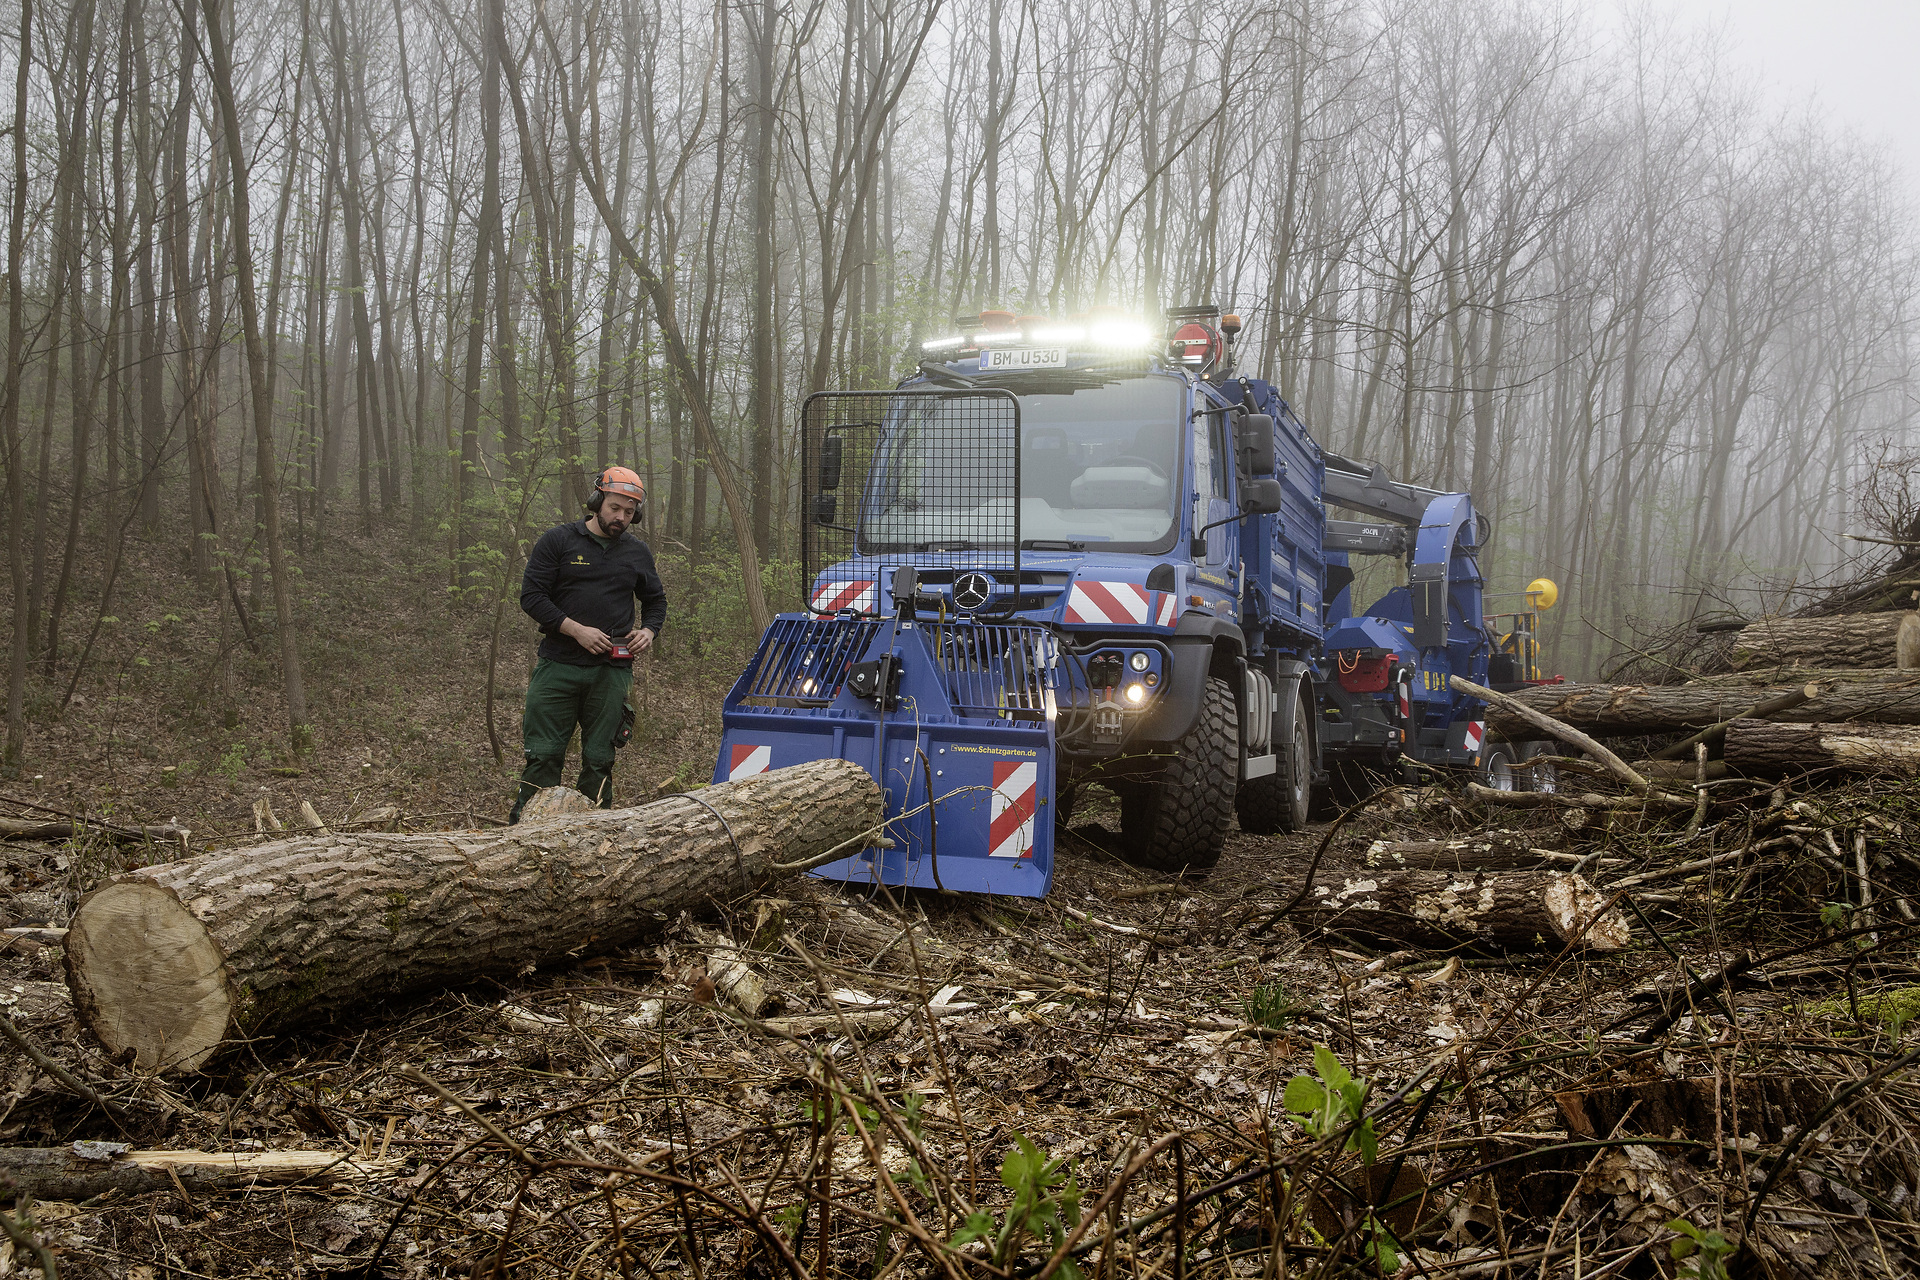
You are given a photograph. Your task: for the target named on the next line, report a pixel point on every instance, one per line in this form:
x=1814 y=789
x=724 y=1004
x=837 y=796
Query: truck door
x=1213 y=480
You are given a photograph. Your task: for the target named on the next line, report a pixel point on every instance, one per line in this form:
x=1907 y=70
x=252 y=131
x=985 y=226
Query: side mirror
x=1260 y=497
x=826 y=508
x=1254 y=437
x=831 y=449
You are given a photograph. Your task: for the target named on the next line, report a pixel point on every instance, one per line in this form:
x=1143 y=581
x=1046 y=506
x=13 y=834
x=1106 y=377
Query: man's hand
x=592 y=639
x=641 y=640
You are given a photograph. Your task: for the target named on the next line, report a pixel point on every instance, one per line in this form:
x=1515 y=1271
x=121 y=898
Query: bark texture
x=172 y=961
x=1850 y=640
x=1481 y=853
x=1515 y=911
x=1764 y=747
x=64 y=1173
x=1636 y=709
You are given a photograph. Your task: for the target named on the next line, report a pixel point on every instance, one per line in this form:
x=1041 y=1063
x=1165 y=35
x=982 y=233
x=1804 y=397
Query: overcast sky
x=1857 y=56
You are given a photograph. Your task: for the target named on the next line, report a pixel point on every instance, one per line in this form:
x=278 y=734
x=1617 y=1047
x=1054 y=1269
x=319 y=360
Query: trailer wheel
x=1496 y=767
x=1541 y=777
x=1177 y=818
x=1280 y=801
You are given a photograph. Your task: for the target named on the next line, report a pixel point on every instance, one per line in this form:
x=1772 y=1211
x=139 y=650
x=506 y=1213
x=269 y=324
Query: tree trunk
x=1515 y=911
x=1637 y=709
x=1851 y=640
x=174 y=960
x=1764 y=747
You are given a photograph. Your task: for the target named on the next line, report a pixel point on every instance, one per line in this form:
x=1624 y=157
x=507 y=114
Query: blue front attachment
x=967 y=721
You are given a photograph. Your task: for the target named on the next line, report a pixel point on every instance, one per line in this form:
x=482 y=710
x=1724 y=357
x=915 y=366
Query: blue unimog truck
x=1062 y=555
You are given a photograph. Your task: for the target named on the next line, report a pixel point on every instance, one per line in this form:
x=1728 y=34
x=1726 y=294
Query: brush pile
x=1247 y=1075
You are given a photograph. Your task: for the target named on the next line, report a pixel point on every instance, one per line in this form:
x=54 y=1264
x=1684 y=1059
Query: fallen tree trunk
x=1756 y=678
x=171 y=961
x=1512 y=911
x=82 y=1170
x=1767 y=748
x=1475 y=853
x=1622 y=709
x=1850 y=640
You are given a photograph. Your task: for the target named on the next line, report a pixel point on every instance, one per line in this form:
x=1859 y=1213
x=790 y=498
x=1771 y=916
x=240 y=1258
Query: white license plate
x=1017 y=359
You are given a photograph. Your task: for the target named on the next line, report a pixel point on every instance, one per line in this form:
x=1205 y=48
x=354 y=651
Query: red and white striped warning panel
x=1015 y=788
x=744 y=760
x=1120 y=602
x=832 y=597
x=1476 y=734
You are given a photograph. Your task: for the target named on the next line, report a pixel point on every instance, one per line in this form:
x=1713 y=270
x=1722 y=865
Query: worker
x=579 y=586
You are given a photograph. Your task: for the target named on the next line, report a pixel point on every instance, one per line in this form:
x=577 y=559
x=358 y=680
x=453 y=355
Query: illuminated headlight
x=1066 y=334
x=806 y=687
x=1138 y=662
x=992 y=339
x=944 y=344
x=1119 y=333
x=1136 y=694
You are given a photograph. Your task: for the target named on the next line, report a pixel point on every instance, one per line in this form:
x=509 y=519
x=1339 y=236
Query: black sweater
x=570 y=575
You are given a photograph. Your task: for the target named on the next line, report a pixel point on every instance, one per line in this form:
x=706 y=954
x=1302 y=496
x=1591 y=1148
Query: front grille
x=803 y=662
x=1006 y=672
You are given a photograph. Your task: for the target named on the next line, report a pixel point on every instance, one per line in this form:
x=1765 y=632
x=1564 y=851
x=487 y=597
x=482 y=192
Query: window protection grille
x=928 y=478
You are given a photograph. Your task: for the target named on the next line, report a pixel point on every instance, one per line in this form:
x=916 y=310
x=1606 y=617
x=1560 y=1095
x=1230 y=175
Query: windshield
x=1097 y=465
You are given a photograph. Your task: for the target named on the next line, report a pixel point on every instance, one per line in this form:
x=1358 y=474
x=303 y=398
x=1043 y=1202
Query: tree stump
x=170 y=962
x=1770 y=749
x=555 y=802
x=1850 y=640
x=1510 y=911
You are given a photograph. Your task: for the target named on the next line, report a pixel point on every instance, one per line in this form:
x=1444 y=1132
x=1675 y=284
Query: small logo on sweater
x=578 y=559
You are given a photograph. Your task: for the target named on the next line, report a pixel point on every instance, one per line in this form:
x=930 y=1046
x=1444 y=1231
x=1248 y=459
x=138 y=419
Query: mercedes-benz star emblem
x=970 y=590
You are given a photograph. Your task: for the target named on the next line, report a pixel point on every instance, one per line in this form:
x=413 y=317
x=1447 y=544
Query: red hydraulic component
x=1361 y=674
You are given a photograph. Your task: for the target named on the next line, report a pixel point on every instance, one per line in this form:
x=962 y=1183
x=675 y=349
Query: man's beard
x=611 y=525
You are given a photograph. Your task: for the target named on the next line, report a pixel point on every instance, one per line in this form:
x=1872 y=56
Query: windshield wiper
x=1042 y=544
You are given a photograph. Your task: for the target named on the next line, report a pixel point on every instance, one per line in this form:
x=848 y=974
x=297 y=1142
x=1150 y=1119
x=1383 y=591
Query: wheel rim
x=1500 y=774
x=1546 y=778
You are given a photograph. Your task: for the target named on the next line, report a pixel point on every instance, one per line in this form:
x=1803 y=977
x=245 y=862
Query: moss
x=1892 y=1009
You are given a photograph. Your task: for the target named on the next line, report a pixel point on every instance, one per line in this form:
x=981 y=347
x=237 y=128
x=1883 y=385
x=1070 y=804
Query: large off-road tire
x=1281 y=800
x=1177 y=817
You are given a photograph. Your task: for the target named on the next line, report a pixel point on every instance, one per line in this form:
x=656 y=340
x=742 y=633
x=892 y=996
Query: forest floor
x=1129 y=1078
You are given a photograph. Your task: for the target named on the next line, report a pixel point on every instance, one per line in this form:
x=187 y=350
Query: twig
x=73 y=1083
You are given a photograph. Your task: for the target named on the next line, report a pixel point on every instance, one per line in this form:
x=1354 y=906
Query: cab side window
x=1218 y=459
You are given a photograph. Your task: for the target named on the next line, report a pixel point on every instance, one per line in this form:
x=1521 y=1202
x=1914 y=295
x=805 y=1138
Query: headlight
x=1136 y=693
x=1138 y=662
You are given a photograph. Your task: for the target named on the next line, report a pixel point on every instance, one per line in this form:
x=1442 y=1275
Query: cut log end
x=1574 y=906
x=148 y=977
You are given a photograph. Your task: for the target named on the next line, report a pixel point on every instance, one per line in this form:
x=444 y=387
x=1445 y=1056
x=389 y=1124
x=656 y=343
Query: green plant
x=1335 y=1101
x=1271 y=1005
x=1702 y=1254
x=1046 y=1206
x=1381 y=1248
x=1834 y=914
x=232 y=761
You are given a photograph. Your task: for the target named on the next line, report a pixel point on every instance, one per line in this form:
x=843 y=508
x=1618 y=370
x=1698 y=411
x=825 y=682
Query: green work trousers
x=560 y=696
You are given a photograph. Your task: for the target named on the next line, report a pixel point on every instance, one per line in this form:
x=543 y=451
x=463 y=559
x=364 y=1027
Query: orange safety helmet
x=621 y=480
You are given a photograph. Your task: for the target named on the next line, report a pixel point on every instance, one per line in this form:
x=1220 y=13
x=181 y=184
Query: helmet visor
x=633 y=491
